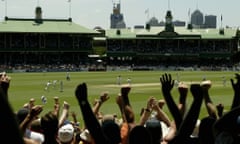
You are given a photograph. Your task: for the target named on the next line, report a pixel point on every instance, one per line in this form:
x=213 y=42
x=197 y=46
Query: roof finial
x=70 y=8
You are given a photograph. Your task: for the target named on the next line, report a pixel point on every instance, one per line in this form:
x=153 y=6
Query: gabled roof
x=48 y=26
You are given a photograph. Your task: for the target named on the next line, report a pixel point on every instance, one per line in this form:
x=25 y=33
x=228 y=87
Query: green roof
x=29 y=26
x=183 y=32
x=124 y=33
x=214 y=33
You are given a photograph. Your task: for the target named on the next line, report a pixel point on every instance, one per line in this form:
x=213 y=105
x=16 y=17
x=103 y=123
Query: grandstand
x=44 y=41
x=180 y=46
x=37 y=41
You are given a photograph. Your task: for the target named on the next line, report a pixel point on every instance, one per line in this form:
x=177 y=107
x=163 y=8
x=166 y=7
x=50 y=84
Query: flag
x=188 y=12
x=221 y=18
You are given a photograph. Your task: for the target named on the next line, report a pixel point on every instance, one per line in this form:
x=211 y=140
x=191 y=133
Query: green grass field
x=24 y=86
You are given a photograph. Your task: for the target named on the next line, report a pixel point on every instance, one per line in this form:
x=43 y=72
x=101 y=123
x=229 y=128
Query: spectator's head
x=155 y=129
x=66 y=133
x=238 y=125
x=112 y=131
x=49 y=124
x=224 y=138
x=205 y=134
x=21 y=114
x=139 y=135
x=36 y=125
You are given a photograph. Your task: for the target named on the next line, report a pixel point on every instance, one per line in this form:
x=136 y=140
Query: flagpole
x=221 y=21
x=5 y=8
x=70 y=6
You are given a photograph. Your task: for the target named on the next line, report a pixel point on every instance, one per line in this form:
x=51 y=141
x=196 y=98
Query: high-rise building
x=210 y=21
x=154 y=22
x=117 y=19
x=197 y=20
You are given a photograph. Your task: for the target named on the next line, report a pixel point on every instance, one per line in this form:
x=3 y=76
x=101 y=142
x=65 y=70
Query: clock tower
x=169 y=27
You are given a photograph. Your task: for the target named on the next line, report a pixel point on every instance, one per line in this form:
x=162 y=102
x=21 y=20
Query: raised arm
x=236 y=89
x=32 y=115
x=146 y=111
x=167 y=85
x=183 y=91
x=104 y=96
x=64 y=114
x=8 y=121
x=189 y=122
x=89 y=118
x=5 y=83
x=211 y=108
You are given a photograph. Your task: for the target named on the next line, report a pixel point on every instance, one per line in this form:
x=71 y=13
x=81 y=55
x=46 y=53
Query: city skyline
x=91 y=13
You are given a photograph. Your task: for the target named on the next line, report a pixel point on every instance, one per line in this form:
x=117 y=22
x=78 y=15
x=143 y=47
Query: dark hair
x=155 y=129
x=49 y=123
x=112 y=131
x=206 y=134
x=139 y=135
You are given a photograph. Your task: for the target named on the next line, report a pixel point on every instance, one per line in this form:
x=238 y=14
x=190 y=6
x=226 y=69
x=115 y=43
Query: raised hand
x=236 y=89
x=220 y=108
x=196 y=91
x=35 y=111
x=81 y=92
x=167 y=83
x=236 y=86
x=183 y=89
x=66 y=105
x=5 y=82
x=206 y=85
x=104 y=96
x=125 y=90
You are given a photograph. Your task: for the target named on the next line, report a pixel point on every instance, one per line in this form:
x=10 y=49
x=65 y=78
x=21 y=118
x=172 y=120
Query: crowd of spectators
x=60 y=125
x=169 y=46
x=124 y=67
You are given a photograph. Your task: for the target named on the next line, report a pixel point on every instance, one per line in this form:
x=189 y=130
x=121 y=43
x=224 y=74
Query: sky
x=91 y=13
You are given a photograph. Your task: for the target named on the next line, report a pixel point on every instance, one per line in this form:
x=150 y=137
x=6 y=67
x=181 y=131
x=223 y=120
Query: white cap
x=66 y=133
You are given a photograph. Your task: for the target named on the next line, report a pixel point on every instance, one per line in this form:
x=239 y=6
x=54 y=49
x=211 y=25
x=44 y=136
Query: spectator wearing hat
x=66 y=134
